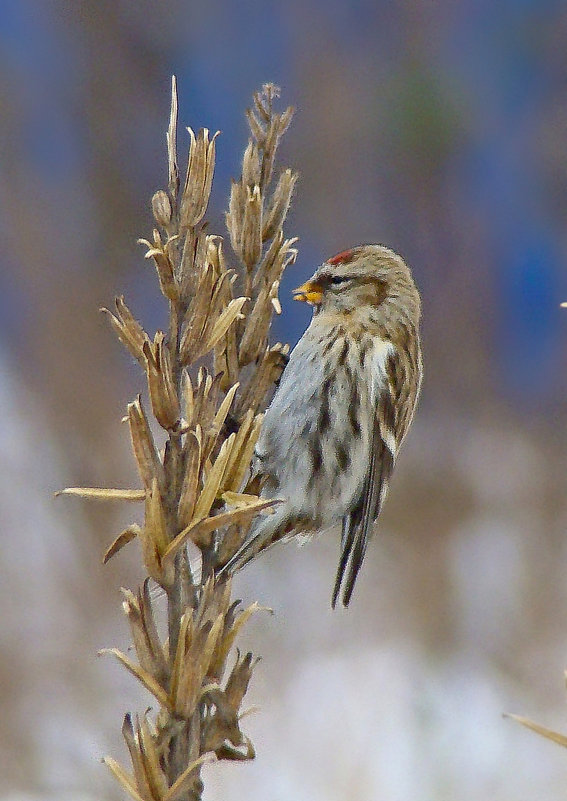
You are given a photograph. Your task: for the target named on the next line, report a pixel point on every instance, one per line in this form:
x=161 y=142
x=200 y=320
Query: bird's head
x=366 y=280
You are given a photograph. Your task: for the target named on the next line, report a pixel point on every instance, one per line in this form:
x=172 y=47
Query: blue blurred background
x=439 y=129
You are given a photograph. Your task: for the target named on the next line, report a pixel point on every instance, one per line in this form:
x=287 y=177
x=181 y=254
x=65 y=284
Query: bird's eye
x=339 y=279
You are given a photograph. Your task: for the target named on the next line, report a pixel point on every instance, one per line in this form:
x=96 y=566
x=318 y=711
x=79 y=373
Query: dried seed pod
x=256 y=128
x=199 y=178
x=269 y=150
x=258 y=322
x=161 y=384
x=235 y=215
x=147 y=644
x=285 y=255
x=161 y=208
x=145 y=451
x=252 y=227
x=128 y=329
x=222 y=324
x=191 y=479
x=155 y=530
x=213 y=482
x=197 y=317
x=285 y=120
x=279 y=204
x=239 y=679
x=251 y=165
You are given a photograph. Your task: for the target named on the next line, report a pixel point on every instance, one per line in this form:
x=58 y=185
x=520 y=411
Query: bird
x=333 y=430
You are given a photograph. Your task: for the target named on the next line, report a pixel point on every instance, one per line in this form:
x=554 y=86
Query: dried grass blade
x=549 y=734
x=124 y=779
x=104 y=494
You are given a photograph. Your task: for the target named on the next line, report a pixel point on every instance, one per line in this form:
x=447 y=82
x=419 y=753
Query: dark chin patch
x=344 y=257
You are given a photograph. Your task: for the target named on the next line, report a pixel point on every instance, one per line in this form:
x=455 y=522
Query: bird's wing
x=395 y=403
x=357 y=525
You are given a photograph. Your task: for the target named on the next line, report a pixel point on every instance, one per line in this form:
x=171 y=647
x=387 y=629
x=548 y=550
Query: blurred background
x=439 y=129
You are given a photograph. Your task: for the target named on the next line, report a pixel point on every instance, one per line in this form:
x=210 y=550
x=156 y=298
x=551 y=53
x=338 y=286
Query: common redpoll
x=332 y=433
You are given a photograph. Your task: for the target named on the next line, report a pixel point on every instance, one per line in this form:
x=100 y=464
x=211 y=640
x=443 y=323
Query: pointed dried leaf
x=252 y=227
x=144 y=634
x=124 y=779
x=121 y=540
x=155 y=776
x=143 y=676
x=227 y=318
x=279 y=204
x=256 y=128
x=263 y=109
x=161 y=385
x=156 y=522
x=191 y=477
x=183 y=783
x=132 y=741
x=104 y=494
x=145 y=451
x=196 y=317
x=153 y=560
x=549 y=734
x=285 y=256
x=253 y=342
x=211 y=644
x=199 y=177
x=251 y=165
x=150 y=629
x=238 y=681
x=127 y=328
x=165 y=272
x=184 y=640
x=214 y=479
x=171 y=136
x=200 y=529
x=188 y=397
x=241 y=455
x=223 y=409
x=270 y=147
x=286 y=119
x=235 y=215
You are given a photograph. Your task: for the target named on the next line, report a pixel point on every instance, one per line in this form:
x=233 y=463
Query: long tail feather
x=347 y=540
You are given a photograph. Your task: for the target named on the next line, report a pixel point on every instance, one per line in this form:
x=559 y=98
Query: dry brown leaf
x=121 y=540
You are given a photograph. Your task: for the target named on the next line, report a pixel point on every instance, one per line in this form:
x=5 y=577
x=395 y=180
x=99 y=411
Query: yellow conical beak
x=309 y=292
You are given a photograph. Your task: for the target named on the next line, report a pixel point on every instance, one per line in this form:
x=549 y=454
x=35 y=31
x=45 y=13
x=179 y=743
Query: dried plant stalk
x=209 y=378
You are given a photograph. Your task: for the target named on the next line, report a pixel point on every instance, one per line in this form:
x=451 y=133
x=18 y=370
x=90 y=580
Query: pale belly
x=313 y=446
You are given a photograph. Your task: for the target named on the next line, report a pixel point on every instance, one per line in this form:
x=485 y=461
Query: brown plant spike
x=209 y=377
